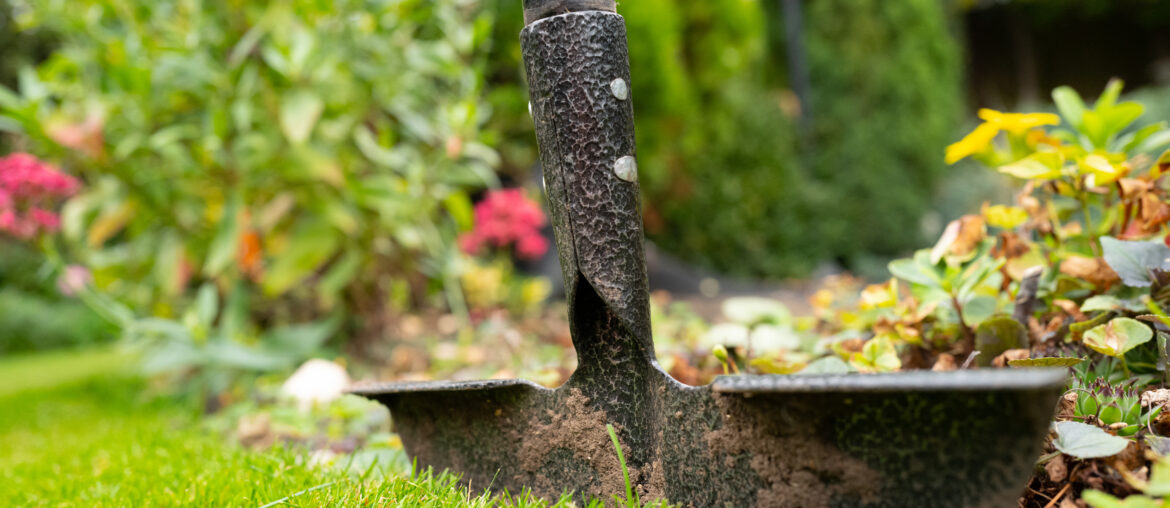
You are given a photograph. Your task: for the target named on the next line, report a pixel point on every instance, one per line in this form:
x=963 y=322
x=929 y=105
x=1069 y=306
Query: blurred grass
x=78 y=431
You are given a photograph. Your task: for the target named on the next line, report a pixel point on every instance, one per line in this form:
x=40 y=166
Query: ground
x=79 y=430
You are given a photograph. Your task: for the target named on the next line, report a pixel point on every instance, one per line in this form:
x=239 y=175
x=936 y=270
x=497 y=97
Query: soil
x=772 y=449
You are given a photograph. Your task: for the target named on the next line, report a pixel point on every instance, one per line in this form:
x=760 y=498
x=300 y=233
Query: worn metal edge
x=536 y=10
x=909 y=381
x=438 y=386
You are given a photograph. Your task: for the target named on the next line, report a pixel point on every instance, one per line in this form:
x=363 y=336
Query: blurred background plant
x=292 y=162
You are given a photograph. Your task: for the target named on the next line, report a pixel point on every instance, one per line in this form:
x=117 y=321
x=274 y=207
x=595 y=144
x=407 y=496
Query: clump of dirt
x=580 y=429
x=797 y=468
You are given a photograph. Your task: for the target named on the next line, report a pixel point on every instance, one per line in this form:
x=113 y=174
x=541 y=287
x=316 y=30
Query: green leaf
x=375 y=152
x=996 y=335
x=299 y=112
x=308 y=248
x=207 y=304
x=1098 y=499
x=302 y=339
x=1159 y=482
x=227 y=238
x=979 y=309
x=1135 y=139
x=1038 y=166
x=827 y=365
x=877 y=355
x=341 y=272
x=1102 y=302
x=1071 y=107
x=1085 y=441
x=1046 y=362
x=917 y=270
x=1133 y=260
x=1118 y=336
x=1153 y=143
x=1109 y=96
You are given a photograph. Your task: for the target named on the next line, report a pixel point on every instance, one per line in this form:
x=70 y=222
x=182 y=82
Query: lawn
x=78 y=430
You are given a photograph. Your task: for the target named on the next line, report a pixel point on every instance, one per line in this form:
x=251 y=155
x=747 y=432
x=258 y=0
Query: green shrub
x=886 y=96
x=29 y=321
x=296 y=160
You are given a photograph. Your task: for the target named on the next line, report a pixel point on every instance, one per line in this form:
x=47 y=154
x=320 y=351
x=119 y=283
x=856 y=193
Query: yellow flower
x=993 y=122
x=975 y=142
x=1004 y=217
x=1018 y=123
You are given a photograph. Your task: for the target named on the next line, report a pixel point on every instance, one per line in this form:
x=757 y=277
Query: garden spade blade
x=966 y=438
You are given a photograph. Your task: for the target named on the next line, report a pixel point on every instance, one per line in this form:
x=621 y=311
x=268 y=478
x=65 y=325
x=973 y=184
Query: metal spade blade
x=967 y=438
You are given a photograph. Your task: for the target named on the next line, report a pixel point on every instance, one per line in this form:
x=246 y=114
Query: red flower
x=504 y=218
x=28 y=190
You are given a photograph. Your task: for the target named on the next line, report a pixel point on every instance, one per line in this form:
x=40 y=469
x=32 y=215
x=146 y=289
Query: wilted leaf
x=1132 y=261
x=1118 y=336
x=1085 y=441
x=1160 y=445
x=1096 y=271
x=1046 y=362
x=960 y=238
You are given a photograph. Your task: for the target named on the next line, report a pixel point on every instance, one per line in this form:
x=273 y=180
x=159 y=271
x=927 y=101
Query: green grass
x=78 y=431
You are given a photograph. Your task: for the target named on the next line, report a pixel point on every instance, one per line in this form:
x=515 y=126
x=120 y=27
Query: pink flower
x=29 y=189
x=504 y=218
x=45 y=219
x=74 y=279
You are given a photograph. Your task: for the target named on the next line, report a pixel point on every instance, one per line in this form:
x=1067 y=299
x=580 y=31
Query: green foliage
x=886 y=96
x=1116 y=407
x=30 y=322
x=34 y=315
x=719 y=156
x=1086 y=441
x=297 y=158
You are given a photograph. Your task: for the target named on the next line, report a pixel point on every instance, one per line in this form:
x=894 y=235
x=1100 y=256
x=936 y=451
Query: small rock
x=1068 y=405
x=945 y=362
x=1157 y=397
x=1011 y=354
x=1057 y=469
x=1068 y=503
x=254 y=431
x=315 y=382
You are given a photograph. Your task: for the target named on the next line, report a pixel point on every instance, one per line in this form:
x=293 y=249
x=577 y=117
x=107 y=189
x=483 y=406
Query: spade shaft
x=966 y=438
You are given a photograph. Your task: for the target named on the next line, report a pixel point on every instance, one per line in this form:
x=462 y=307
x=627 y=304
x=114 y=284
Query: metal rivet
x=626 y=168
x=620 y=89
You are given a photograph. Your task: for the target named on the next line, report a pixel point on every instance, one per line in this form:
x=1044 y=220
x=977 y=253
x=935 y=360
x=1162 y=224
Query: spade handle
x=578 y=71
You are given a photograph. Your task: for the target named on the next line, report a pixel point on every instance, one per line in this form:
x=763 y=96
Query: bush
x=33 y=313
x=31 y=322
x=295 y=160
x=886 y=96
